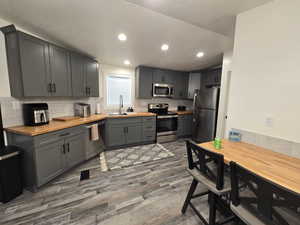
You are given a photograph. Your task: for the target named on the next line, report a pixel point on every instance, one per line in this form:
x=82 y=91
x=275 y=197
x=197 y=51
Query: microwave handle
x=171 y=90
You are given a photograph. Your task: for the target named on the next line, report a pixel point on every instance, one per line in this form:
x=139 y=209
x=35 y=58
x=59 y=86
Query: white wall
x=224 y=93
x=265 y=84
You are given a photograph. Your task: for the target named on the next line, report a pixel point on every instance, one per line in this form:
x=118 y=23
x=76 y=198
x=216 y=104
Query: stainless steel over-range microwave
x=163 y=90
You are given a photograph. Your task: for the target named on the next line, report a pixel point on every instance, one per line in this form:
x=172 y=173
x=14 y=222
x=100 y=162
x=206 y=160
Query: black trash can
x=10 y=173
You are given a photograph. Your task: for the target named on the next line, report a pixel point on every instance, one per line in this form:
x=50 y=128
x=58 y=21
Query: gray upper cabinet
x=85 y=76
x=194 y=84
x=92 y=78
x=184 y=83
x=181 y=85
x=162 y=76
x=60 y=71
x=211 y=77
x=143 y=82
x=28 y=65
x=78 y=75
x=40 y=69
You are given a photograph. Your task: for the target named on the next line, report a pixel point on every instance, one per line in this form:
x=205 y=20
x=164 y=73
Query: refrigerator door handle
x=194 y=101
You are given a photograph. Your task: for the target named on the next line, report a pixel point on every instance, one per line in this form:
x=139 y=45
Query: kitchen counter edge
x=60 y=125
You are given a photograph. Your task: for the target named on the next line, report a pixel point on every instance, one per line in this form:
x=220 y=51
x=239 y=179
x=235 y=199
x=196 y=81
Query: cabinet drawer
x=149 y=119
x=149 y=126
x=149 y=136
x=124 y=120
x=45 y=139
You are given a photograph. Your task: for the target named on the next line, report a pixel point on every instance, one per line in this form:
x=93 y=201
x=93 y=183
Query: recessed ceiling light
x=164 y=47
x=126 y=62
x=122 y=37
x=200 y=54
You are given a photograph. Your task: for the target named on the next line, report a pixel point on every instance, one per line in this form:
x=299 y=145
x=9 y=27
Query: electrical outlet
x=269 y=121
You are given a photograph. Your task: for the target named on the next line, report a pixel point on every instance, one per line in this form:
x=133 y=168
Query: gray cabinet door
x=78 y=75
x=180 y=85
x=50 y=161
x=162 y=76
x=144 y=82
x=194 y=83
x=133 y=134
x=188 y=125
x=116 y=135
x=60 y=71
x=34 y=57
x=74 y=147
x=92 y=78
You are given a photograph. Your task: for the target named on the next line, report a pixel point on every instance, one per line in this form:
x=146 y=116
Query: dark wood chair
x=207 y=168
x=257 y=201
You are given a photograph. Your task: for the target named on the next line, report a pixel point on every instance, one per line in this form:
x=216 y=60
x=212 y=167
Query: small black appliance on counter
x=35 y=114
x=11 y=184
x=181 y=108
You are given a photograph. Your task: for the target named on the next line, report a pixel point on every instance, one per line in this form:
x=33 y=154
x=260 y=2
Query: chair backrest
x=1 y=131
x=270 y=202
x=210 y=164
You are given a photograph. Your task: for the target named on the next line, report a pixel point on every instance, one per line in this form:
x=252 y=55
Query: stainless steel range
x=166 y=122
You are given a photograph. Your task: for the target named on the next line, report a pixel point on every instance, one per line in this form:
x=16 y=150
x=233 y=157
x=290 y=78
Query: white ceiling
x=92 y=27
x=215 y=15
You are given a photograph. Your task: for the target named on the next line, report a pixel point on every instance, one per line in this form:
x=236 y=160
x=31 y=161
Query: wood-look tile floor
x=151 y=193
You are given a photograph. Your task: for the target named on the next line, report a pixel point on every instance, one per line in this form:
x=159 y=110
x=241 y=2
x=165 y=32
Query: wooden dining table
x=276 y=167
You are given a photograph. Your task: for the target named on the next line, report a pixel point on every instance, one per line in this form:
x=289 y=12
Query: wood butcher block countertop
x=188 y=112
x=278 y=168
x=60 y=125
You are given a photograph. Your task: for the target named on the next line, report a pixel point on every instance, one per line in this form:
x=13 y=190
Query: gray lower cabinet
x=143 y=82
x=121 y=132
x=49 y=161
x=184 y=125
x=74 y=150
x=115 y=135
x=133 y=134
x=49 y=155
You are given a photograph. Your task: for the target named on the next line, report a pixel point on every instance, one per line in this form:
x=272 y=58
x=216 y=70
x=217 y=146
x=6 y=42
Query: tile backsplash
x=12 y=108
x=279 y=145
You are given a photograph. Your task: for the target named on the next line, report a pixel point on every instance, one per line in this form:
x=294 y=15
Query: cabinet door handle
x=87 y=91
x=68 y=147
x=54 y=87
x=49 y=87
x=64 y=148
x=65 y=134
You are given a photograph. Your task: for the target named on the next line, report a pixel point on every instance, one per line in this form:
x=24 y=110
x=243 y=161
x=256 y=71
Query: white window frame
x=116 y=106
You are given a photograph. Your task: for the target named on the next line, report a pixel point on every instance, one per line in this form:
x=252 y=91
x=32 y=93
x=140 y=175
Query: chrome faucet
x=121 y=104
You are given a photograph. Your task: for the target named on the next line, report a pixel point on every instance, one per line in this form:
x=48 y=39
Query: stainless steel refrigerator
x=206 y=102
